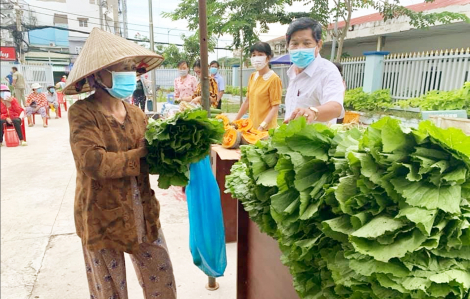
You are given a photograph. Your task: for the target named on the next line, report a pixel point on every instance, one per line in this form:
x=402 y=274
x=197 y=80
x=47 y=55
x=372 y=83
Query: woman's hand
x=142 y=146
x=260 y=128
x=196 y=100
x=9 y=120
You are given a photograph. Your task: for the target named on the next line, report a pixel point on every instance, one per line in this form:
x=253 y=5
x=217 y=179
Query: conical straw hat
x=103 y=49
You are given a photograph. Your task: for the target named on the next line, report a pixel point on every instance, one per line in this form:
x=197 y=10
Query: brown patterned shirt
x=213 y=90
x=107 y=158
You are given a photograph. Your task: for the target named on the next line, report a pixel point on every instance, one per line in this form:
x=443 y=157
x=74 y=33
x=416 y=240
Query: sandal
x=45 y=126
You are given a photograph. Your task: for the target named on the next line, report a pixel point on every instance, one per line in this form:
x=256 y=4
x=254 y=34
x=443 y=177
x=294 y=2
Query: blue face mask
x=51 y=90
x=39 y=90
x=302 y=57
x=213 y=70
x=124 y=84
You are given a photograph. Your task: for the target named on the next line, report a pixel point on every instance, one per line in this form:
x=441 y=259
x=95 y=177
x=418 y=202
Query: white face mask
x=259 y=62
x=183 y=72
x=5 y=95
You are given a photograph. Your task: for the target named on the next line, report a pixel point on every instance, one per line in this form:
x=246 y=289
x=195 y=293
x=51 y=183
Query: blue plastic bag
x=206 y=222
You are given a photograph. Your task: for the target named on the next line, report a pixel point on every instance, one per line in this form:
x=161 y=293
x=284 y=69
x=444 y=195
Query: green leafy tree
x=388 y=9
x=238 y=18
x=173 y=54
x=228 y=61
x=241 y=18
x=192 y=48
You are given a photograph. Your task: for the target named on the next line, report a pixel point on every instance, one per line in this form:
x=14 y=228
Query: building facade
x=372 y=33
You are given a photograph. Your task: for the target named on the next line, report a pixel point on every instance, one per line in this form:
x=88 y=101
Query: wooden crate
x=448 y=122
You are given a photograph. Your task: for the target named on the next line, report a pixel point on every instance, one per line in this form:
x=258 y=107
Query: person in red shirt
x=10 y=113
x=36 y=103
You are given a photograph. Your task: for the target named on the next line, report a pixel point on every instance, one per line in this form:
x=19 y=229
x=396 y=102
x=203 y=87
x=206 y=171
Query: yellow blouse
x=264 y=92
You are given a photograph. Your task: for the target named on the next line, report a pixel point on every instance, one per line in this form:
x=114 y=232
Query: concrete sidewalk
x=41 y=254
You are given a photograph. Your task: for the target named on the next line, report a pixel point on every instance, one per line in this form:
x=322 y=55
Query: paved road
x=41 y=254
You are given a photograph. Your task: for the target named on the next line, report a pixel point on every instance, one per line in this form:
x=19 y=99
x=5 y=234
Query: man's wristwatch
x=315 y=110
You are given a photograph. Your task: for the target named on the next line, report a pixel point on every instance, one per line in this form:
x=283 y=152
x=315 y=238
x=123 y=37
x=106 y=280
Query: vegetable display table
x=222 y=160
x=260 y=273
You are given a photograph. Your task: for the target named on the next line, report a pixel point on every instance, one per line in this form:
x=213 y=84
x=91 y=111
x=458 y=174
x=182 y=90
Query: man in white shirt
x=316 y=89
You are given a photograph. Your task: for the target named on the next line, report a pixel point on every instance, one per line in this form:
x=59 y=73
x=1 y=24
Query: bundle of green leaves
x=176 y=142
x=441 y=100
x=377 y=214
x=359 y=100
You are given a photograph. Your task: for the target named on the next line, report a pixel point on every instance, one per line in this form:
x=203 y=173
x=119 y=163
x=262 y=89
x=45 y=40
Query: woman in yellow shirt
x=264 y=90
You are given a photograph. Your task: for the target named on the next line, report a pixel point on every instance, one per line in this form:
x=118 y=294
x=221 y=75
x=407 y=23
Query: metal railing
x=165 y=77
x=32 y=73
x=353 y=71
x=411 y=75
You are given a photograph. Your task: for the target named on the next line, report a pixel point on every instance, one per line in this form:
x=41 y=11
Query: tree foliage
x=241 y=18
x=189 y=50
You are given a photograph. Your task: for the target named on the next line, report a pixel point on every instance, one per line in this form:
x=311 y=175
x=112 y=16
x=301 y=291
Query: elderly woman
x=53 y=101
x=115 y=209
x=11 y=111
x=36 y=102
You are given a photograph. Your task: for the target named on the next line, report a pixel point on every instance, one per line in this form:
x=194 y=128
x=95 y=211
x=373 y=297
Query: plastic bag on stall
x=206 y=224
x=168 y=110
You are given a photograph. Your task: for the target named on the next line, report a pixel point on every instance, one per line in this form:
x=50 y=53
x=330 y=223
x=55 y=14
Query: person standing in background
x=214 y=71
x=9 y=78
x=140 y=93
x=19 y=85
x=197 y=95
x=185 y=84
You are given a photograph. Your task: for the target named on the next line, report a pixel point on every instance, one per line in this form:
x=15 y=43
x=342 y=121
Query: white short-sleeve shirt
x=316 y=85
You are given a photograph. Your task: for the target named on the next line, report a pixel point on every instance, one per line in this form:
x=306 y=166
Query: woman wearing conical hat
x=115 y=209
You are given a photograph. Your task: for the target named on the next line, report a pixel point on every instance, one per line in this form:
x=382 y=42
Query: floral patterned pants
x=106 y=272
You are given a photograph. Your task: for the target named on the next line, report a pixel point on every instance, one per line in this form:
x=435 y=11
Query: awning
x=284 y=59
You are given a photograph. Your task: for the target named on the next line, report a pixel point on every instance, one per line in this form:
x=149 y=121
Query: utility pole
x=124 y=18
x=241 y=70
x=117 y=28
x=19 y=29
x=335 y=37
x=212 y=284
x=205 y=77
x=152 y=48
x=100 y=4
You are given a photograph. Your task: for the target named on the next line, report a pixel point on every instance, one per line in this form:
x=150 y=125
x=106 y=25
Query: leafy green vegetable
x=441 y=100
x=174 y=143
x=380 y=213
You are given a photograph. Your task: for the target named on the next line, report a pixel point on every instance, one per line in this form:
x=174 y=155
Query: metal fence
x=33 y=73
x=353 y=71
x=413 y=74
x=165 y=77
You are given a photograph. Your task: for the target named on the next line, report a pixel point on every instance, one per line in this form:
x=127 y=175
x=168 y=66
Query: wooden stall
x=260 y=273
x=222 y=160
